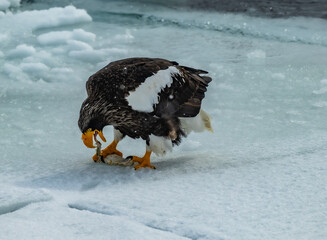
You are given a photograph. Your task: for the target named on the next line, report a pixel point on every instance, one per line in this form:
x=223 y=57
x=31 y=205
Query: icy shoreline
x=261 y=175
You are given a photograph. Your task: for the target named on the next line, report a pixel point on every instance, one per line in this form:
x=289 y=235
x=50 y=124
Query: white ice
x=62 y=37
x=261 y=175
x=21 y=51
x=5 y=4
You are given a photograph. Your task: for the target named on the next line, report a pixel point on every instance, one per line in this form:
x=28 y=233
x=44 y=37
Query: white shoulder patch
x=146 y=95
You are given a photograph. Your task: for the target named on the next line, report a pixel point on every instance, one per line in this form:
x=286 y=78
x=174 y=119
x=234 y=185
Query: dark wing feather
x=125 y=75
x=183 y=98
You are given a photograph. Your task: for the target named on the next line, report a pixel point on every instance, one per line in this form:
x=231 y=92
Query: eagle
x=150 y=98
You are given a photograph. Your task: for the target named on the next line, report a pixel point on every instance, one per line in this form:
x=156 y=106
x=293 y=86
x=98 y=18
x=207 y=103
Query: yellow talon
x=144 y=161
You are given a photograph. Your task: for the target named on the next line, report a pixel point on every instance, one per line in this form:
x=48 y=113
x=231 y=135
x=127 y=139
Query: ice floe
x=5 y=4
x=53 y=17
x=62 y=37
x=21 y=51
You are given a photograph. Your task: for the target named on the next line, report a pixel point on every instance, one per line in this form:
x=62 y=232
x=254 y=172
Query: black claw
x=129 y=158
x=102 y=159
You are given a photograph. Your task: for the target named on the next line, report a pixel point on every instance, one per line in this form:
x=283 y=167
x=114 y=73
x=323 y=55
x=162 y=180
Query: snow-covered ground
x=261 y=175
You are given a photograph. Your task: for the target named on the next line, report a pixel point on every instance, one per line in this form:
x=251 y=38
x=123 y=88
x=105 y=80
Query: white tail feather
x=199 y=123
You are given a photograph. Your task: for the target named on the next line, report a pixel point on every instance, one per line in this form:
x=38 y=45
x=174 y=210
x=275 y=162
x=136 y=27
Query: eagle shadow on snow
x=88 y=176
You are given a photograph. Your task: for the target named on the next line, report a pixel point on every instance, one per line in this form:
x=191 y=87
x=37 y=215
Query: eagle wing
x=125 y=75
x=182 y=98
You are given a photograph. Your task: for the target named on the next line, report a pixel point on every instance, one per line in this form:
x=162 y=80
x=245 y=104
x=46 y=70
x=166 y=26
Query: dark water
x=277 y=8
x=259 y=8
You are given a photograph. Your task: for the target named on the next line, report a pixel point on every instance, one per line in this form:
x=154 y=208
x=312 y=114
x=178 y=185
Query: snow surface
x=261 y=175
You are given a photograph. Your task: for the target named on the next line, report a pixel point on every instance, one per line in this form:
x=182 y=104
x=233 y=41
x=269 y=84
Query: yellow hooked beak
x=87 y=137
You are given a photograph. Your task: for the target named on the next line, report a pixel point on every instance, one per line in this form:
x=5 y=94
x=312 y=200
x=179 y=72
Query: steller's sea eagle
x=149 y=98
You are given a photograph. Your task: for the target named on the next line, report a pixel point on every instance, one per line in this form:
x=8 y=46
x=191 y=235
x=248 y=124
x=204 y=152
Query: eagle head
x=90 y=122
